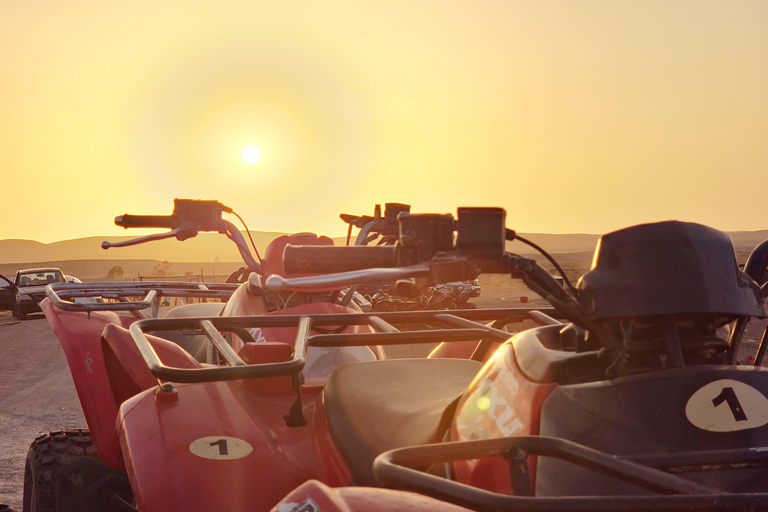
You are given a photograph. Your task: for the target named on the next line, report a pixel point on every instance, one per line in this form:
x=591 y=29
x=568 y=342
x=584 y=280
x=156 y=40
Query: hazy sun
x=251 y=154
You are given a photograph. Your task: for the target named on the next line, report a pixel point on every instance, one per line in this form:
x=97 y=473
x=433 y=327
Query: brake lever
x=279 y=283
x=181 y=233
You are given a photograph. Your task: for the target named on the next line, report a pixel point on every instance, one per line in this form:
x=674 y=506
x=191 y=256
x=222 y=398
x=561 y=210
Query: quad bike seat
x=194 y=344
x=381 y=405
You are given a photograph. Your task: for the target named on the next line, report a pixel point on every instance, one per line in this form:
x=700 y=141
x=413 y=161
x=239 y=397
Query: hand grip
x=308 y=259
x=147 y=221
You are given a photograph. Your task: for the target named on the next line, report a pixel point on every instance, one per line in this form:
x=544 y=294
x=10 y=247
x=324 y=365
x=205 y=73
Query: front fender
x=80 y=338
x=215 y=446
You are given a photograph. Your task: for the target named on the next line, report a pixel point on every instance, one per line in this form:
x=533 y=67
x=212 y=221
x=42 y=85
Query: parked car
x=7 y=293
x=30 y=289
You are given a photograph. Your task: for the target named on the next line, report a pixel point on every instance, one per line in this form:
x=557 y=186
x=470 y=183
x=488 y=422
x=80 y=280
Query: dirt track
x=36 y=395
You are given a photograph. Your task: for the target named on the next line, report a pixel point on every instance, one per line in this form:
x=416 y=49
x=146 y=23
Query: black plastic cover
x=667 y=268
x=481 y=232
x=423 y=235
x=647 y=415
x=205 y=215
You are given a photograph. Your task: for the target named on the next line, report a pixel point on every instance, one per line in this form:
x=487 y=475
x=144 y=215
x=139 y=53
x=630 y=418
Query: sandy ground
x=37 y=393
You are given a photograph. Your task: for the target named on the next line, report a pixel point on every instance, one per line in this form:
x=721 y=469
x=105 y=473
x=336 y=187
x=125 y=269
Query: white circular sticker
x=220 y=448
x=726 y=406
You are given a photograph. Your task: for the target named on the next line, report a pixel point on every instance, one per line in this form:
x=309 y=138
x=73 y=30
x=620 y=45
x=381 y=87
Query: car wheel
x=19 y=313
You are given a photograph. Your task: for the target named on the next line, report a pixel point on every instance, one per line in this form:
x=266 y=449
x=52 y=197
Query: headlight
x=24 y=296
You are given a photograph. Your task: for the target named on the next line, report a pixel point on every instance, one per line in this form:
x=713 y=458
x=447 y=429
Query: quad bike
x=637 y=403
x=79 y=322
x=251 y=380
x=610 y=410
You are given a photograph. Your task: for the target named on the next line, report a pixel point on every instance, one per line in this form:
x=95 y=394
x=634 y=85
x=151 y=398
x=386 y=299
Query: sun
x=250 y=154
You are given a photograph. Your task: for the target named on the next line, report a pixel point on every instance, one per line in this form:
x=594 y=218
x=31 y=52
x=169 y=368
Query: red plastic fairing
x=216 y=446
x=313 y=496
x=499 y=402
x=242 y=303
x=127 y=371
x=80 y=338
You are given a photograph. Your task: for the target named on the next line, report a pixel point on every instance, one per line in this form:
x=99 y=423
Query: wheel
x=47 y=455
x=19 y=313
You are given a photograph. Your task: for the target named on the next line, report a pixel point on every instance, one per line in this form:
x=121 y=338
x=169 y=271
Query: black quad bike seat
x=381 y=405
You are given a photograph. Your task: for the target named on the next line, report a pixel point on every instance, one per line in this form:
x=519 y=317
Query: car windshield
x=40 y=278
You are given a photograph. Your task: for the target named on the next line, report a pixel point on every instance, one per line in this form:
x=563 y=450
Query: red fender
x=314 y=495
x=80 y=338
x=215 y=445
x=127 y=371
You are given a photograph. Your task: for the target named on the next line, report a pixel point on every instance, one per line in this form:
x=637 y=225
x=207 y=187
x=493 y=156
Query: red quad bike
x=567 y=416
x=250 y=379
x=82 y=315
x=635 y=403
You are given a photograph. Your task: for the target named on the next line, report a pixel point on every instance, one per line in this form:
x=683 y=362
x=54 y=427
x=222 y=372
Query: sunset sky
x=575 y=116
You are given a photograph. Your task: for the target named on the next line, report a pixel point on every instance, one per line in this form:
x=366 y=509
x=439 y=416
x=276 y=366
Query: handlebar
x=434 y=248
x=147 y=221
x=189 y=217
x=325 y=260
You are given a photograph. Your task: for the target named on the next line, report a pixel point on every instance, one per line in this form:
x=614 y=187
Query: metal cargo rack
x=134 y=297
x=325 y=330
x=401 y=469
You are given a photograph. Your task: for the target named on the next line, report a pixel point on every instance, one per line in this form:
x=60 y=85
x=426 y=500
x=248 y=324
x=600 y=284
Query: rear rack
x=132 y=296
x=430 y=327
x=397 y=469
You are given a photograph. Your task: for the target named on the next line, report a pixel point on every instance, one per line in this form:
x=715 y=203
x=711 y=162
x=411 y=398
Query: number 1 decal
x=728 y=395
x=222 y=444
x=727 y=405
x=220 y=448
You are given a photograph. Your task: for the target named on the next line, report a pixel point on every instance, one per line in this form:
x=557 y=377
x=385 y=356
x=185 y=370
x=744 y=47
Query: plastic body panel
x=667 y=268
x=313 y=495
x=499 y=402
x=253 y=458
x=80 y=338
x=684 y=410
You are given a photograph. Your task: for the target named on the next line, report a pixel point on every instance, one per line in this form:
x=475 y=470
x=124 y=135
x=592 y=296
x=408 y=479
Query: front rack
x=398 y=469
x=132 y=296
x=431 y=327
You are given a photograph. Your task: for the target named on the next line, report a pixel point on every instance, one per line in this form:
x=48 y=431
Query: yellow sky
x=576 y=116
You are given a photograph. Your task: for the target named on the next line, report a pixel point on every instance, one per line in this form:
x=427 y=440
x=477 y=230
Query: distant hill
x=98 y=270
x=205 y=247
x=212 y=247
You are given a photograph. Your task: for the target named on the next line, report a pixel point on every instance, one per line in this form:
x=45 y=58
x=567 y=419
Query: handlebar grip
x=311 y=259
x=147 y=221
